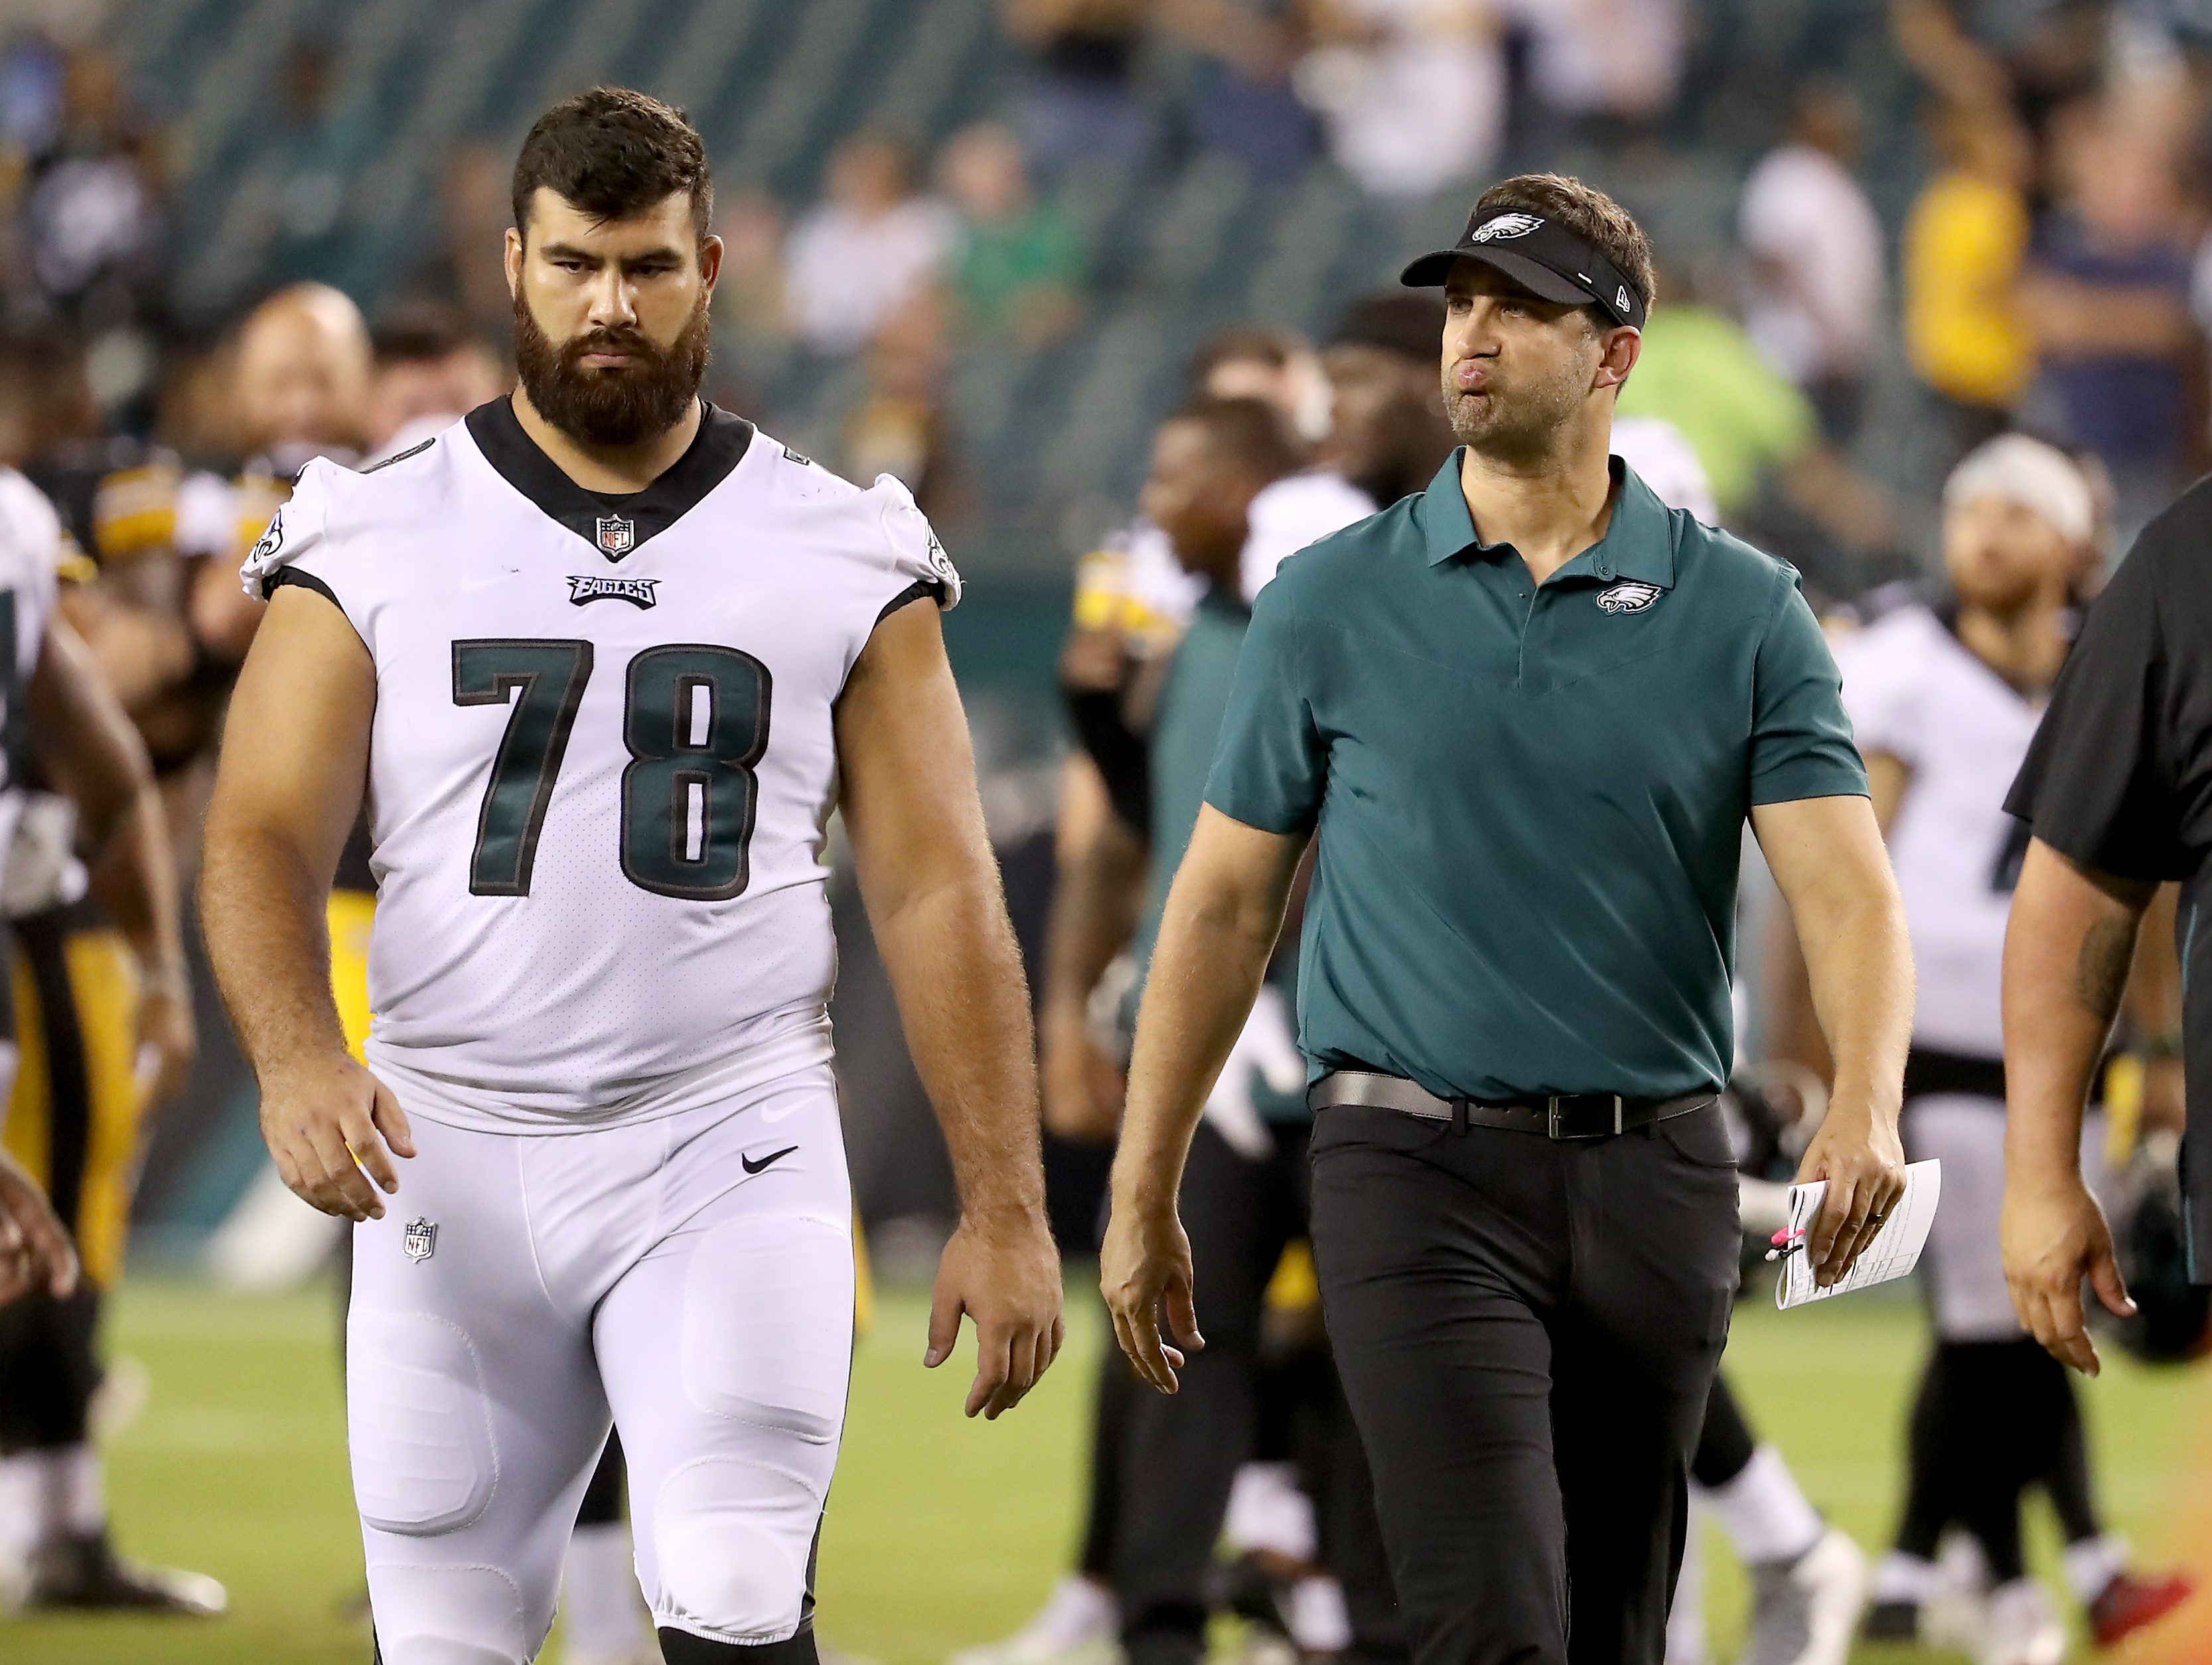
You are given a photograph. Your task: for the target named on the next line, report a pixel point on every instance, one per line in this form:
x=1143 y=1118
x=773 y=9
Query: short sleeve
x=1270 y=766
x=2097 y=785
x=1800 y=739
x=919 y=565
x=296 y=536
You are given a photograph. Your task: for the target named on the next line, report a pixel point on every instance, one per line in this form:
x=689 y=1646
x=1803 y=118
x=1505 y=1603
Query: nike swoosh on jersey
x=752 y=1167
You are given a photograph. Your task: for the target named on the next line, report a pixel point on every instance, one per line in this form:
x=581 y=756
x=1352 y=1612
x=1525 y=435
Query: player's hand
x=168 y=1038
x=34 y=1250
x=1144 y=1262
x=1082 y=1088
x=333 y=1129
x=1006 y=1278
x=2054 y=1235
x=1860 y=1155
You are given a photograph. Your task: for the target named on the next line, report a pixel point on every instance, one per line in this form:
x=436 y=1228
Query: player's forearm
x=2068 y=948
x=1858 y=960
x=263 y=911
x=1215 y=942
x=963 y=1003
x=137 y=883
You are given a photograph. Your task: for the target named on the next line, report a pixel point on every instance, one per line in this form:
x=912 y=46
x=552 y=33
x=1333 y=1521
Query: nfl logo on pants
x=421 y=1241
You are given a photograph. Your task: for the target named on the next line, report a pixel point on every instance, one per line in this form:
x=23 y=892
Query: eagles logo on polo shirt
x=1629 y=596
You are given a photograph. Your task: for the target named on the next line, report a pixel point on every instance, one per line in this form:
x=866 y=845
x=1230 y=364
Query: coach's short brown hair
x=614 y=154
x=1583 y=209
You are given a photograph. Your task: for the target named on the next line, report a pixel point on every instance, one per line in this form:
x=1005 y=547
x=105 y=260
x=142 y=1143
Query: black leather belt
x=1564 y=1115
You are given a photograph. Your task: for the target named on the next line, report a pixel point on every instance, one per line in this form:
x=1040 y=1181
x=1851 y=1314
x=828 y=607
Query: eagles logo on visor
x=1544 y=257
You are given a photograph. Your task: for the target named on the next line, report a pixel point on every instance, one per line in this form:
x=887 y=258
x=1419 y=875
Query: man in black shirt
x=2118 y=791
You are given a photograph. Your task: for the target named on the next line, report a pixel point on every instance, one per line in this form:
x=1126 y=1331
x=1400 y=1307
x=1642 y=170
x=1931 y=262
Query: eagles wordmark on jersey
x=599 y=829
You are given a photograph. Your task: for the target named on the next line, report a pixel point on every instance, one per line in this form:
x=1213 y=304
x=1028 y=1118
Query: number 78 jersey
x=602 y=762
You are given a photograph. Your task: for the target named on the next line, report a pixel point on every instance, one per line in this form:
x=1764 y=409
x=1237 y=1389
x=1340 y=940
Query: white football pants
x=694 y=1276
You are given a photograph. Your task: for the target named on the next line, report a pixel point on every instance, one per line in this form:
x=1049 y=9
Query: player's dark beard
x=612 y=408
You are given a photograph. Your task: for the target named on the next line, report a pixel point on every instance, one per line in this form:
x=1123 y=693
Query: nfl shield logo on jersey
x=618 y=536
x=421 y=1241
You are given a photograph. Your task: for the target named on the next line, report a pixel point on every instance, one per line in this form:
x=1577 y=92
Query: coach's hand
x=2054 y=1235
x=1006 y=1278
x=34 y=1248
x=1144 y=1262
x=1860 y=1155
x=333 y=1128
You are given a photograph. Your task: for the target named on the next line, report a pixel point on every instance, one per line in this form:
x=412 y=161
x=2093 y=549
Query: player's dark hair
x=1241 y=343
x=1251 y=433
x=1602 y=223
x=616 y=154
x=420 y=332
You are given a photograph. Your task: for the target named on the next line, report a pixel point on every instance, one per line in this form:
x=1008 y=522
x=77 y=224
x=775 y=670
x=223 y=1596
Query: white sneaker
x=2023 y=1628
x=1804 y=1612
x=1078 y=1624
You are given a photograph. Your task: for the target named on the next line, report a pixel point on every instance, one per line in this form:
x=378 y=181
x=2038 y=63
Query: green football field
x=941 y=1531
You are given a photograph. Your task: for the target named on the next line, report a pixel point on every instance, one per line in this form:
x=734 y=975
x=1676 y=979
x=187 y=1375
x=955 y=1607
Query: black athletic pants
x=1180 y=1453
x=1527 y=1330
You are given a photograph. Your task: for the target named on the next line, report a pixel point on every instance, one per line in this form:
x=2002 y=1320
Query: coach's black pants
x=1180 y=1453
x=1526 y=1331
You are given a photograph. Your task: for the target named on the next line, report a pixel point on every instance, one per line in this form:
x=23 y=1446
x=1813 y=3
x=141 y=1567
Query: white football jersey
x=602 y=760
x=1916 y=691
x=32 y=544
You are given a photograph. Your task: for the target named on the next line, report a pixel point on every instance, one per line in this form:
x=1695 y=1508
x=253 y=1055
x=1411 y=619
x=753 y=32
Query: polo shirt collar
x=1638 y=541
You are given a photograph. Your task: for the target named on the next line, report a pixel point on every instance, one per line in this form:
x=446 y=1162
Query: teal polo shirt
x=1529 y=801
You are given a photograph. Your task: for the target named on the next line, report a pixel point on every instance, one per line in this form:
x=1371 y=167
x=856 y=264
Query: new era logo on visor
x=1504 y=224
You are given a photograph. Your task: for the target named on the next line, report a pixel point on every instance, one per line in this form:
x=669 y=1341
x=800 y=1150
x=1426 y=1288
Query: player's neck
x=2024 y=645
x=609 y=468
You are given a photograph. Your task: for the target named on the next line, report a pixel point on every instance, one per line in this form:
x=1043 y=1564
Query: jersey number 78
x=695 y=719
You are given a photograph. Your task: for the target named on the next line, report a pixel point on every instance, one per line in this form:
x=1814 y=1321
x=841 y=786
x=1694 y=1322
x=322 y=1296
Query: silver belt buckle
x=1552 y=1117
x=1620 y=1113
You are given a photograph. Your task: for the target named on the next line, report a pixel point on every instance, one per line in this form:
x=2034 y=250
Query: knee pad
x=731 y=1539
x=767 y=1326
x=423 y=1460
x=447 y=1616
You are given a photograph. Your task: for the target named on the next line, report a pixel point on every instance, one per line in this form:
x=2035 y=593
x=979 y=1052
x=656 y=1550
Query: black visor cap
x=1541 y=255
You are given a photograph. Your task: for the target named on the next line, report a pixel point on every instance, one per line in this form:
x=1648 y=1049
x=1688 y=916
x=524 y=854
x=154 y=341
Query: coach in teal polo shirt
x=1522 y=718
x=1497 y=766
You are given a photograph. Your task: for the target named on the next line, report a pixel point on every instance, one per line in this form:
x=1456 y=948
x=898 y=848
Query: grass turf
x=941 y=1531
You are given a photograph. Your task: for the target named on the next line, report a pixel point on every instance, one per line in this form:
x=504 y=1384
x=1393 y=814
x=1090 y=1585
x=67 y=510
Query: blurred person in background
x=1601 y=71
x=1018 y=268
x=750 y=299
x=1243 y=100
x=1079 y=101
x=1814 y=282
x=428 y=370
x=868 y=249
x=1134 y=600
x=2105 y=294
x=1944 y=700
x=899 y=426
x=1387 y=435
x=321 y=142
x=1759 y=437
x=1966 y=236
x=102 y=1031
x=34 y=1245
x=1412 y=92
x=93 y=230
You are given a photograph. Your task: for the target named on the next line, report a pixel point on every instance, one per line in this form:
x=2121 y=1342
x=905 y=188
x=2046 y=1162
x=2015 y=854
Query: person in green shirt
x=1522 y=718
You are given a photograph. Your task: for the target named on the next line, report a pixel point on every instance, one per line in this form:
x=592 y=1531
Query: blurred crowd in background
x=972 y=244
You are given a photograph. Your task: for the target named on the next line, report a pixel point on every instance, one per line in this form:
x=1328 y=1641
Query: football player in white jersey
x=604 y=660
x=1944 y=700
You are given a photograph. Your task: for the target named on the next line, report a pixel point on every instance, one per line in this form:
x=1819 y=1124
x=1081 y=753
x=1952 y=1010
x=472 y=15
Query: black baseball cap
x=1543 y=257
